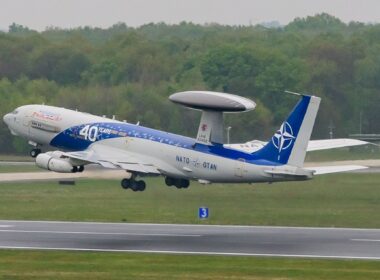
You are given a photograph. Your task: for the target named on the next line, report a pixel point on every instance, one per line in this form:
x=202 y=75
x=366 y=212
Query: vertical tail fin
x=289 y=144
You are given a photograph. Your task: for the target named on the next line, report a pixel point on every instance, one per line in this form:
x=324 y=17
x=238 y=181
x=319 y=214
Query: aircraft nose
x=6 y=118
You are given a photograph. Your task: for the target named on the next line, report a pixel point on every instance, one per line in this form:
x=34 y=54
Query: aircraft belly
x=184 y=163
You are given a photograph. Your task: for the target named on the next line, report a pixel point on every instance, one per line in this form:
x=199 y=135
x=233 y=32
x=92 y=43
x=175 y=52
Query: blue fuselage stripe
x=71 y=139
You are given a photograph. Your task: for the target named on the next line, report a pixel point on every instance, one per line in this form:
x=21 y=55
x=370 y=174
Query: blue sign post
x=203 y=213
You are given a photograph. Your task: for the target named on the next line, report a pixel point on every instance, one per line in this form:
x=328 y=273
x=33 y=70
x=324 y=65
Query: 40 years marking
x=188 y=161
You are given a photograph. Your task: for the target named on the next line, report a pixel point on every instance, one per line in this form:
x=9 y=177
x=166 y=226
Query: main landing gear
x=35 y=152
x=178 y=183
x=131 y=183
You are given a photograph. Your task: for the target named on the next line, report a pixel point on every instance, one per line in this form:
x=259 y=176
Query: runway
x=192 y=239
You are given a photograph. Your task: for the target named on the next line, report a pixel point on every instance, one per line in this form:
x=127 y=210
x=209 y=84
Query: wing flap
x=139 y=168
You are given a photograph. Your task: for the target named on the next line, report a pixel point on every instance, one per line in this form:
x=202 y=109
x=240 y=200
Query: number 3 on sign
x=203 y=213
x=89 y=133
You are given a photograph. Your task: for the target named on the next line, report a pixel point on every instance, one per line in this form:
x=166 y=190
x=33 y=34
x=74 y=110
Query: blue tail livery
x=289 y=143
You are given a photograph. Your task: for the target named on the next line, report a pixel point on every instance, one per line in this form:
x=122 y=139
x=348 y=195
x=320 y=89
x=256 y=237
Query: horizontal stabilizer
x=316 y=145
x=313 y=145
x=319 y=170
x=296 y=172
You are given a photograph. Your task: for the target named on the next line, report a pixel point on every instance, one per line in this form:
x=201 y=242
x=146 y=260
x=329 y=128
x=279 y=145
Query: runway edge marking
x=189 y=253
x=189 y=225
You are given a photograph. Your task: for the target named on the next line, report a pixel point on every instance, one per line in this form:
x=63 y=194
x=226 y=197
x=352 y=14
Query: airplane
x=84 y=139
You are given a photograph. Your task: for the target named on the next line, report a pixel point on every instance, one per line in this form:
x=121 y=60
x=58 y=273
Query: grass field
x=90 y=265
x=341 y=200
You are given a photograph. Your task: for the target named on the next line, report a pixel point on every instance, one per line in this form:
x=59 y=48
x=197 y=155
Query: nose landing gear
x=35 y=152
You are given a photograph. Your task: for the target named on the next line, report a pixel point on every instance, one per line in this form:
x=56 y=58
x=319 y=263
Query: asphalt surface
x=49 y=175
x=192 y=239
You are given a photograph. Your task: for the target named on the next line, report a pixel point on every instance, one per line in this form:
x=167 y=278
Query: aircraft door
x=240 y=167
x=26 y=121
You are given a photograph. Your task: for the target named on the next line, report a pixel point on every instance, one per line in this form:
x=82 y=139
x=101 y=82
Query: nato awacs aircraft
x=89 y=139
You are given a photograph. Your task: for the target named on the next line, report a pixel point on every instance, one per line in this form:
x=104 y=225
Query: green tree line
x=130 y=72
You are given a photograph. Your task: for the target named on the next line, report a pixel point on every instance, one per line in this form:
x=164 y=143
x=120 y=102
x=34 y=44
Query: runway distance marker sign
x=203 y=213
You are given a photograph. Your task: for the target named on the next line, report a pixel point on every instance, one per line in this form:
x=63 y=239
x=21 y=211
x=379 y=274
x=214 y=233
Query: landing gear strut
x=133 y=184
x=178 y=183
x=35 y=152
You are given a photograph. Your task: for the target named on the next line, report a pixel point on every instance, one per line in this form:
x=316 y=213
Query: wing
x=319 y=170
x=316 y=145
x=109 y=157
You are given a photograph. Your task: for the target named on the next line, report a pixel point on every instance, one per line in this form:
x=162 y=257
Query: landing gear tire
x=80 y=168
x=135 y=186
x=178 y=183
x=125 y=184
x=141 y=185
x=184 y=184
x=35 y=152
x=169 y=181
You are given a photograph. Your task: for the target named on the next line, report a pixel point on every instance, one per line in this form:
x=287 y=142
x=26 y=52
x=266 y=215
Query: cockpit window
x=15 y=112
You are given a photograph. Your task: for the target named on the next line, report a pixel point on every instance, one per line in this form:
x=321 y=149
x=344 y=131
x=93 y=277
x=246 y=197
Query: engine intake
x=49 y=162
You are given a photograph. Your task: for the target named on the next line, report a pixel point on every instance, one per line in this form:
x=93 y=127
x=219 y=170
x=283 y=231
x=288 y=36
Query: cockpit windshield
x=15 y=112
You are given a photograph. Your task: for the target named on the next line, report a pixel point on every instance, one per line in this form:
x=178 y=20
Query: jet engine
x=50 y=162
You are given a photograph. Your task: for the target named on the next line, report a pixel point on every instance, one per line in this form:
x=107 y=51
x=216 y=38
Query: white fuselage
x=173 y=155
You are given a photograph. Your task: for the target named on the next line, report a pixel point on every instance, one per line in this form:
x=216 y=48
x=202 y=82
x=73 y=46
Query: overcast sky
x=38 y=14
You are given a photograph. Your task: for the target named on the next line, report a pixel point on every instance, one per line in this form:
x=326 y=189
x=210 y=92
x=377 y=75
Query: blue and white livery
x=88 y=139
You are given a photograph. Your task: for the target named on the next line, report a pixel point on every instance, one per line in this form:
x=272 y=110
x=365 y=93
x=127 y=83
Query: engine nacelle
x=47 y=161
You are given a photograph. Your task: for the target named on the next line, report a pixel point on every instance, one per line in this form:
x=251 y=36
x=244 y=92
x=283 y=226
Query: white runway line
x=6 y=226
x=100 y=233
x=366 y=240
